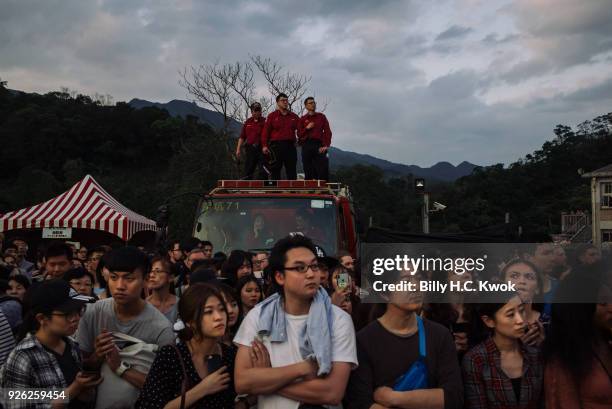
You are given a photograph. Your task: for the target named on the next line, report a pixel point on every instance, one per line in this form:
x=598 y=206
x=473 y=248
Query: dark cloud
x=398 y=88
x=454 y=32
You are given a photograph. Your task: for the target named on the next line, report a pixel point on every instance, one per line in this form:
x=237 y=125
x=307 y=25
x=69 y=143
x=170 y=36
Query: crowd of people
x=117 y=327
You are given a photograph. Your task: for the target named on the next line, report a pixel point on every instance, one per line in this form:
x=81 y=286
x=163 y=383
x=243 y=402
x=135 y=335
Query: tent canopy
x=86 y=206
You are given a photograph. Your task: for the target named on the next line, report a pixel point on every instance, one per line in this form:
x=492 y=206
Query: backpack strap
x=422 y=339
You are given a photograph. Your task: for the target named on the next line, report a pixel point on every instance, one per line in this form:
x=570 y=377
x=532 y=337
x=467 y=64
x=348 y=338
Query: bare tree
x=212 y=84
x=279 y=80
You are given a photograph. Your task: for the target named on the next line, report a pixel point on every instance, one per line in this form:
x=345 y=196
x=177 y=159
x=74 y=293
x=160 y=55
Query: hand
x=113 y=359
x=265 y=150
x=338 y=296
x=237 y=153
x=214 y=382
x=535 y=334
x=260 y=358
x=104 y=344
x=461 y=341
x=311 y=369
x=310 y=125
x=323 y=149
x=82 y=382
x=385 y=396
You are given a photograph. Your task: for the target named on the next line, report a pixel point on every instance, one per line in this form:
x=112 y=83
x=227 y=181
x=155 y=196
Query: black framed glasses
x=302 y=268
x=70 y=315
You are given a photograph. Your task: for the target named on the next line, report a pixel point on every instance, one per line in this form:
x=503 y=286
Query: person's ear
x=40 y=318
x=488 y=321
x=280 y=278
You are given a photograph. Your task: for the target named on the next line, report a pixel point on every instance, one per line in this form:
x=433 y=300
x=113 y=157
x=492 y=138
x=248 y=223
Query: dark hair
x=191 y=308
x=189 y=244
x=127 y=259
x=58 y=249
x=281 y=95
x=244 y=281
x=172 y=243
x=16 y=238
x=572 y=333
x=98 y=249
x=9 y=246
x=235 y=260
x=23 y=280
x=76 y=273
x=230 y=295
x=308 y=99
x=278 y=255
x=4 y=286
x=492 y=301
x=206 y=243
x=581 y=251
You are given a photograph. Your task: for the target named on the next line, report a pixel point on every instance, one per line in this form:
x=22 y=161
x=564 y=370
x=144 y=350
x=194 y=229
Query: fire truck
x=253 y=214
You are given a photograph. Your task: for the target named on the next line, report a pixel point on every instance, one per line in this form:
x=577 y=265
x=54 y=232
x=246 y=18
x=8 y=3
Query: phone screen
x=343 y=280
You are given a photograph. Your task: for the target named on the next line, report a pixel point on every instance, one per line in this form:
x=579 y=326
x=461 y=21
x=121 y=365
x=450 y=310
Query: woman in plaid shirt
x=501 y=372
x=46 y=358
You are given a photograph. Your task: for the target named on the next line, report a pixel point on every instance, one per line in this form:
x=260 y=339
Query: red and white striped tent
x=85 y=206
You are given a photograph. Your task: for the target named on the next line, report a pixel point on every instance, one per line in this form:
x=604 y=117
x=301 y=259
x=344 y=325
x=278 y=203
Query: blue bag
x=416 y=376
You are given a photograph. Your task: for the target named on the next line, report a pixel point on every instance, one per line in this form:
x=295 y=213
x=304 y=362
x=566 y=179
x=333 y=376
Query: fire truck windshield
x=256 y=223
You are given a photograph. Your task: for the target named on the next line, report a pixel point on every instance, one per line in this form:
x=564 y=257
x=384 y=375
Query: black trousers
x=284 y=154
x=253 y=161
x=316 y=165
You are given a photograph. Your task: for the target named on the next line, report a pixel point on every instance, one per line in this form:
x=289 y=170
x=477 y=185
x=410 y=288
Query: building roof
x=606 y=171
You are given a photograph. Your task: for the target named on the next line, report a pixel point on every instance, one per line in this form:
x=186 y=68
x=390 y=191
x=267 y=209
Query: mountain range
x=441 y=171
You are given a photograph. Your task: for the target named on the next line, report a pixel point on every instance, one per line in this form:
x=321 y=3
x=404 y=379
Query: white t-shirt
x=286 y=353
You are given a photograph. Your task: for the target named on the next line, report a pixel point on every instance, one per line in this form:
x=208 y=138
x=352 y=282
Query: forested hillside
x=144 y=156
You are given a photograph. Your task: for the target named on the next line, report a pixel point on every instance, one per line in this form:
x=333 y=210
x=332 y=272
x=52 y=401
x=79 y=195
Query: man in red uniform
x=315 y=136
x=250 y=138
x=279 y=138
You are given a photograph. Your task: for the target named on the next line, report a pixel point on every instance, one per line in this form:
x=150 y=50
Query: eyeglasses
x=303 y=268
x=70 y=315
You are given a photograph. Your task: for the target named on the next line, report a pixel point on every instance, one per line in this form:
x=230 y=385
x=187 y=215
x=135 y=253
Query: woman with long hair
x=198 y=371
x=250 y=293
x=578 y=349
x=18 y=285
x=233 y=311
x=502 y=372
x=237 y=265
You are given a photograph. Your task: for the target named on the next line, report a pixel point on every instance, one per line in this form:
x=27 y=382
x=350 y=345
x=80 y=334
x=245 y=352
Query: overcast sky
x=415 y=82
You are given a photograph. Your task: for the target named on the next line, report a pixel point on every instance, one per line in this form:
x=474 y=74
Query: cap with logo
x=56 y=295
x=322 y=257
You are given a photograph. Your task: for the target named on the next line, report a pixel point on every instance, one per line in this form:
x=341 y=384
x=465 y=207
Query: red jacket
x=279 y=127
x=320 y=131
x=252 y=129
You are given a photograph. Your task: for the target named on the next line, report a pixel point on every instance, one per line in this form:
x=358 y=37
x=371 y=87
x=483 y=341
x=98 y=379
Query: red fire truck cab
x=253 y=214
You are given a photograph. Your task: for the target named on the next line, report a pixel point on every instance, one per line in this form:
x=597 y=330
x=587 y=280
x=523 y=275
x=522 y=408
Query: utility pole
x=426 y=213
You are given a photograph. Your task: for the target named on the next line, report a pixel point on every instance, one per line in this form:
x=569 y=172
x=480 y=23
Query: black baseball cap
x=56 y=295
x=322 y=257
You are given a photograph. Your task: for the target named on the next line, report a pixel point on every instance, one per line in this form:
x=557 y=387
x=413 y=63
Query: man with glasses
x=295 y=346
x=250 y=138
x=279 y=138
x=315 y=135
